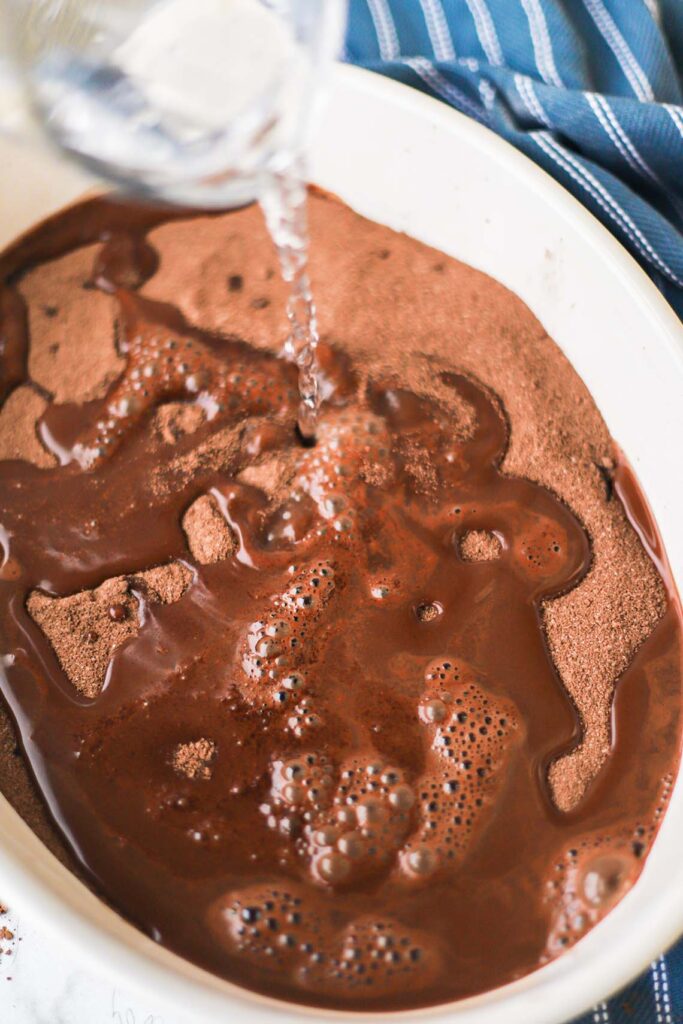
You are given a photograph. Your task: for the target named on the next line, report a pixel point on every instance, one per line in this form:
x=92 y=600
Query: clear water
x=202 y=103
x=284 y=202
x=190 y=102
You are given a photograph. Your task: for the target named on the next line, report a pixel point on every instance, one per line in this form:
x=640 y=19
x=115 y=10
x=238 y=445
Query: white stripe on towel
x=486 y=31
x=387 y=36
x=609 y=30
x=439 y=32
x=543 y=47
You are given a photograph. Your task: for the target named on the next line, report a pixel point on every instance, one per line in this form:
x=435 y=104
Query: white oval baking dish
x=414 y=164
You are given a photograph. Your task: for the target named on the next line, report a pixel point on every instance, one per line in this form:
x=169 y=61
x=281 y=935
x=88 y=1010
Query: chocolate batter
x=339 y=723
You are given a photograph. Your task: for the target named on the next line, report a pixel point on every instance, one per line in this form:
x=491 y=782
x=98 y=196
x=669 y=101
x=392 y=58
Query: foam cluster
x=277 y=928
x=284 y=637
x=301 y=786
x=376 y=957
x=540 y=549
x=587 y=880
x=164 y=363
x=366 y=817
x=469 y=734
x=304 y=718
x=268 y=925
x=349 y=822
x=347 y=442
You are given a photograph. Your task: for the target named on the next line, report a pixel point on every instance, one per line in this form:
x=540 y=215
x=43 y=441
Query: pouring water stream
x=204 y=103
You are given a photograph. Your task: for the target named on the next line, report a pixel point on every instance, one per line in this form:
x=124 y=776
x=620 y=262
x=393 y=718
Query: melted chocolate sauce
x=369 y=715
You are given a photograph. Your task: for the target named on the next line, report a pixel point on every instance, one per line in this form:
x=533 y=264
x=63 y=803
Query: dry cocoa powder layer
x=254 y=676
x=73 y=352
x=400 y=309
x=19 y=418
x=85 y=629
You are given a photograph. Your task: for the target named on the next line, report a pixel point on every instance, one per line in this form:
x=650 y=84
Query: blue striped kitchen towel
x=592 y=90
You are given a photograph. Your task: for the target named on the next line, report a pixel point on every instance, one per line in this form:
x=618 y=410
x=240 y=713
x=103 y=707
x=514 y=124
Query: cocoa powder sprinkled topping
x=193 y=760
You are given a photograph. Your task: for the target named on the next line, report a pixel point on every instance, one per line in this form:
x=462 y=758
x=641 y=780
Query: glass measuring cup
x=197 y=102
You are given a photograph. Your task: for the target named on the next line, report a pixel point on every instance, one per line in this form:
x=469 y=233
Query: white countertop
x=42 y=984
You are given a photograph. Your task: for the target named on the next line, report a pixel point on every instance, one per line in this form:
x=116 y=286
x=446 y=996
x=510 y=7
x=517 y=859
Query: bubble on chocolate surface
x=353 y=817
x=284 y=638
x=303 y=718
x=541 y=551
x=385 y=588
x=587 y=879
x=309 y=591
x=432 y=710
x=305 y=782
x=469 y=734
x=373 y=957
x=448 y=673
x=603 y=879
x=280 y=928
x=293 y=682
x=373 y=812
x=166 y=361
x=269 y=925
